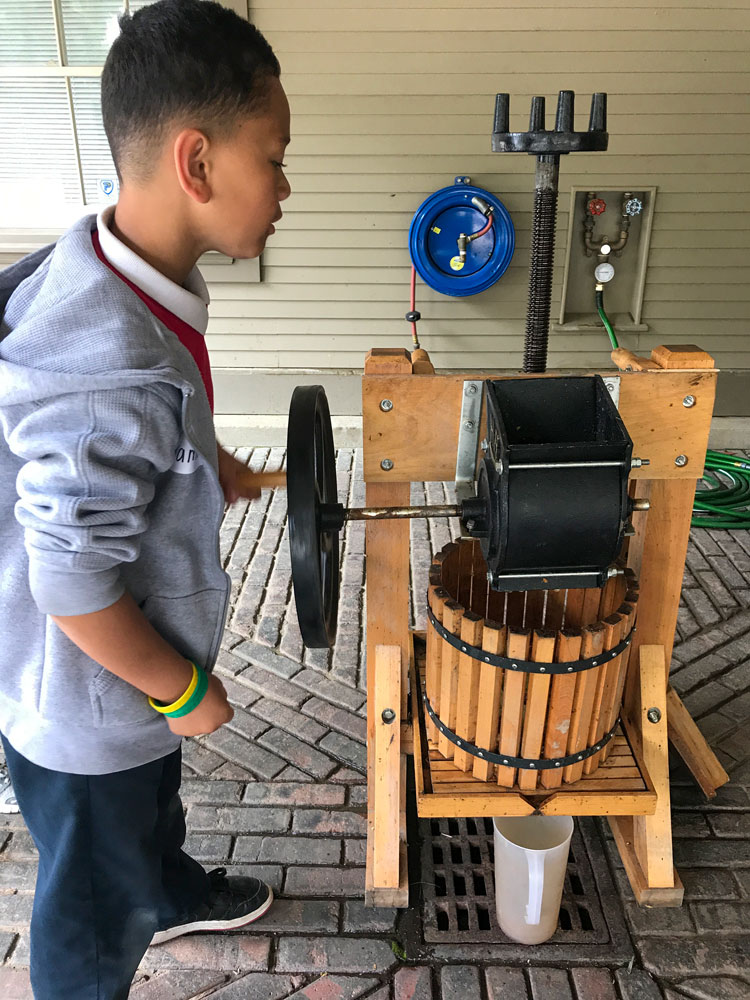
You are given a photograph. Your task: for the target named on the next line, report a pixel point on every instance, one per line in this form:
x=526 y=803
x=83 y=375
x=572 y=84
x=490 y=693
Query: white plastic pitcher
x=531 y=856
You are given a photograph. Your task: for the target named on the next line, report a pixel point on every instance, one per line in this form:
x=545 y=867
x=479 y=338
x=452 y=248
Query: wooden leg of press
x=645 y=842
x=691 y=745
x=387 y=545
x=667 y=530
x=387 y=777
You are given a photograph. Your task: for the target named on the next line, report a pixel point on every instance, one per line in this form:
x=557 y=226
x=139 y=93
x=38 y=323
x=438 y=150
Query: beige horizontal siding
x=505 y=42
x=467 y=18
x=481 y=5
x=391 y=100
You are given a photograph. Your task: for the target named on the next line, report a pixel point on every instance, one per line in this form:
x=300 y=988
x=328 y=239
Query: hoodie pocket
x=114 y=702
x=191 y=624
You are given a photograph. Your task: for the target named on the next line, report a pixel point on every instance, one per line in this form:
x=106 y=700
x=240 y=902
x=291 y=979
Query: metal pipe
x=590 y=242
x=565 y=465
x=612 y=571
x=619 y=245
x=455 y=510
x=635 y=463
x=381 y=513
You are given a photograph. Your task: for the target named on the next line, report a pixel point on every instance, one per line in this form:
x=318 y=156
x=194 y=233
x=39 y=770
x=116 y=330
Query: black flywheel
x=315 y=516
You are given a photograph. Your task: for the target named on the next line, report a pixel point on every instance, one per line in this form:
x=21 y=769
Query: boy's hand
x=230 y=473
x=213 y=711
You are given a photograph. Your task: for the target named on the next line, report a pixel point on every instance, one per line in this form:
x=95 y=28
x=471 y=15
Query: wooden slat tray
x=619 y=787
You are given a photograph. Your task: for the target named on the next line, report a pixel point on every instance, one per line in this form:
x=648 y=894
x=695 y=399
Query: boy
x=113 y=597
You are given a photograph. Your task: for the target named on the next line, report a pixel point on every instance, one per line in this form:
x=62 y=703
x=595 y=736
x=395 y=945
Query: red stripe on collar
x=188 y=336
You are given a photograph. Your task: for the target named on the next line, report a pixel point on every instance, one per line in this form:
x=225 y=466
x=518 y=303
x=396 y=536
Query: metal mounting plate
x=612 y=382
x=468 y=437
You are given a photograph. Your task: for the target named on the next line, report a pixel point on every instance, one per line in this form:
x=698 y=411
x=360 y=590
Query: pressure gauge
x=604 y=272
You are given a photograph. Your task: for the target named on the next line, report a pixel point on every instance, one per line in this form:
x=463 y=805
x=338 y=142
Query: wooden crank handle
x=262 y=480
x=626 y=361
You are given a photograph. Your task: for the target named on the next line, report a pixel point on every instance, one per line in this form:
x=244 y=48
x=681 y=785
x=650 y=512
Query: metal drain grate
x=459 y=887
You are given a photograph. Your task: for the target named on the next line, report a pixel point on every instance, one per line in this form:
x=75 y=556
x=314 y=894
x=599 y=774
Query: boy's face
x=248 y=182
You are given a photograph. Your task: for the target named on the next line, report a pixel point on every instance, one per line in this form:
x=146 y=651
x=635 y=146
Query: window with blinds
x=54 y=158
x=55 y=163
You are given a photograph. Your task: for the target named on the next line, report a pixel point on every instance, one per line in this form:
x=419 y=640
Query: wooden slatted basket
x=489 y=694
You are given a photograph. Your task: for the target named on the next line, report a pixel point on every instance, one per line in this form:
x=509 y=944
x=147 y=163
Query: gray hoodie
x=108 y=484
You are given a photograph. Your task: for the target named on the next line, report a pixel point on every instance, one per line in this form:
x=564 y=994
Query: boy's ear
x=190 y=150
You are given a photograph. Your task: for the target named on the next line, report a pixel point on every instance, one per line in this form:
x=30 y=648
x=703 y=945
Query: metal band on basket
x=525 y=763
x=528 y=666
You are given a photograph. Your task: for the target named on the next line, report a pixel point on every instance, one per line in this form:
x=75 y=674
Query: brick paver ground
x=281 y=792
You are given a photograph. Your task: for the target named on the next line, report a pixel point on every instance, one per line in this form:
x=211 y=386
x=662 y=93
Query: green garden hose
x=723 y=497
x=605 y=319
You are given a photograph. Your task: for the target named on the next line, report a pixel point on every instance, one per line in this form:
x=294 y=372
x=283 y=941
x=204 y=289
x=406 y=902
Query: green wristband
x=195 y=698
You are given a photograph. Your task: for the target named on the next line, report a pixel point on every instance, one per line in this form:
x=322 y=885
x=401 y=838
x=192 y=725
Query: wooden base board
x=622 y=828
x=616 y=788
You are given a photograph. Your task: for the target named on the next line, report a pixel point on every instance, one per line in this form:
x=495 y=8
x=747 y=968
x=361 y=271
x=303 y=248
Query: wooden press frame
x=418 y=435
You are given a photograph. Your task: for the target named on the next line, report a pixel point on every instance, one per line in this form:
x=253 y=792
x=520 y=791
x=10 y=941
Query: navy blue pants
x=111 y=872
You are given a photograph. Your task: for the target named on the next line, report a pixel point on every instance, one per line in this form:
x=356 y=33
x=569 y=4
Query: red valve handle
x=596 y=206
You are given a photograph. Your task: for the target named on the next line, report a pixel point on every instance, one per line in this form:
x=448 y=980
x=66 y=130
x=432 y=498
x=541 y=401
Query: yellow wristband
x=182 y=700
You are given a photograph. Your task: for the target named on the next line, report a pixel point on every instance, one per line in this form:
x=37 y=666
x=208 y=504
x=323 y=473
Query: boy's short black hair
x=180 y=60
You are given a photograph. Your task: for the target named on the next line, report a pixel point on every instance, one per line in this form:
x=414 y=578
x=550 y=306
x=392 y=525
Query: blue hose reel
x=434 y=234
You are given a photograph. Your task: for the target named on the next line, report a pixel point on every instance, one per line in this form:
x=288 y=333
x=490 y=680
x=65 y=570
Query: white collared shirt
x=189 y=302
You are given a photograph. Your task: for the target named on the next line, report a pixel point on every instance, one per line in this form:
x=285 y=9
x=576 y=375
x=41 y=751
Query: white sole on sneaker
x=8 y=803
x=212 y=926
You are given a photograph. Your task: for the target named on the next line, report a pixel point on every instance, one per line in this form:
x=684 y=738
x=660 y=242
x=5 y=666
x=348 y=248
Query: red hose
x=475 y=236
x=413 y=298
x=413 y=306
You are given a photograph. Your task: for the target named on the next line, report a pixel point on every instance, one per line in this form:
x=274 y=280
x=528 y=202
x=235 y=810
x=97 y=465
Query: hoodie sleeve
x=91 y=461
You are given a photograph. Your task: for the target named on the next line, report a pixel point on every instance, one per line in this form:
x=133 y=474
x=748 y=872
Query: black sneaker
x=234 y=902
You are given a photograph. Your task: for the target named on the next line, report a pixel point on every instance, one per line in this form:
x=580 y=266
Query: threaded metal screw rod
x=543 y=235
x=541 y=263
x=548 y=147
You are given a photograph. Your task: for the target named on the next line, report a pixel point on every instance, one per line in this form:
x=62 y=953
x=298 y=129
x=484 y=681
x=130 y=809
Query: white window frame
x=16 y=243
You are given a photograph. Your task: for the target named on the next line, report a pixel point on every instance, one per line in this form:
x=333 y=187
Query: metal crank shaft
x=381 y=513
